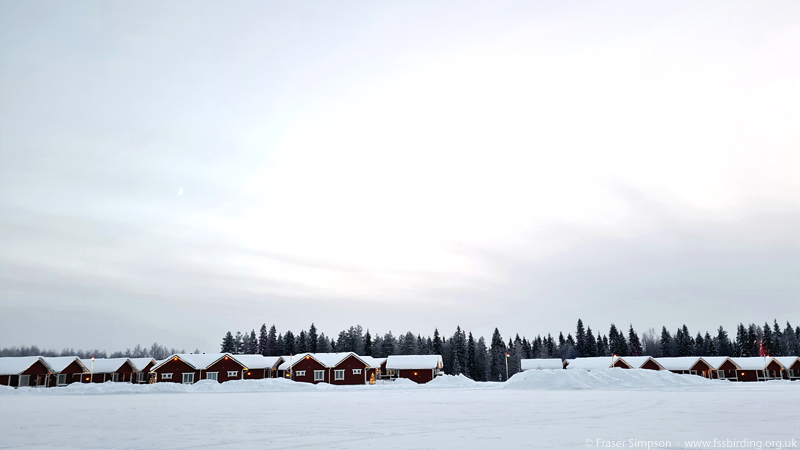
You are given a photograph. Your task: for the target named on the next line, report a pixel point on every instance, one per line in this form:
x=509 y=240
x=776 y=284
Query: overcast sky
x=170 y=171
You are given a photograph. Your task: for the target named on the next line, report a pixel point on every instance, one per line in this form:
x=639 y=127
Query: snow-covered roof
x=786 y=361
x=257 y=361
x=637 y=362
x=715 y=361
x=59 y=363
x=599 y=362
x=198 y=361
x=537 y=364
x=373 y=362
x=141 y=363
x=751 y=363
x=105 y=365
x=17 y=365
x=414 y=362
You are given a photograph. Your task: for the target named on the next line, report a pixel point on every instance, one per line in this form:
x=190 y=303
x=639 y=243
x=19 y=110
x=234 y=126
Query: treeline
x=155 y=351
x=474 y=358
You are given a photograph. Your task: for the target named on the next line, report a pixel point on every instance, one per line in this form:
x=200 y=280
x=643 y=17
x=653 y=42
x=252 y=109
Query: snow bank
x=609 y=379
x=453 y=382
x=110 y=388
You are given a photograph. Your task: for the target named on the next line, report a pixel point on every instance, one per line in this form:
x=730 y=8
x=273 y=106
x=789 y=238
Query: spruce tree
x=253 y=348
x=263 y=337
x=700 y=346
x=482 y=360
x=388 y=344
x=723 y=343
x=281 y=344
x=497 y=354
x=767 y=343
x=619 y=346
x=367 y=343
x=777 y=339
x=437 y=343
x=238 y=342
x=580 y=341
x=666 y=343
x=289 y=342
x=313 y=339
x=301 y=342
x=228 y=345
x=272 y=342
x=472 y=363
x=634 y=345
x=591 y=343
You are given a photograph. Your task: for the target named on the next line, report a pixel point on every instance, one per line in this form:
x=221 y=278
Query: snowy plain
x=535 y=409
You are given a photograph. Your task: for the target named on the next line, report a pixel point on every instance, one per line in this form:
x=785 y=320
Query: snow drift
x=608 y=379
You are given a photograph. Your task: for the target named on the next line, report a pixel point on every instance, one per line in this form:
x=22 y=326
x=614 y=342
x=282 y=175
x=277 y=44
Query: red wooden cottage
x=306 y=367
x=24 y=371
x=751 y=369
x=689 y=365
x=377 y=369
x=109 y=369
x=347 y=368
x=257 y=367
x=417 y=368
x=67 y=370
x=143 y=366
x=186 y=368
x=725 y=369
x=786 y=367
x=637 y=362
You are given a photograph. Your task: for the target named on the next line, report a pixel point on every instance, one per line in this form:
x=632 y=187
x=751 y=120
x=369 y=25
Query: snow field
x=532 y=410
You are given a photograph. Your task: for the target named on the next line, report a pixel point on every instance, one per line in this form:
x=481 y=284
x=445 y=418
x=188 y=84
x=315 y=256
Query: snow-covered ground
x=535 y=409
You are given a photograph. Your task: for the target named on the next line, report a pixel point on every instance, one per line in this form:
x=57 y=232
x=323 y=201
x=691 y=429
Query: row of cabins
x=334 y=368
x=713 y=367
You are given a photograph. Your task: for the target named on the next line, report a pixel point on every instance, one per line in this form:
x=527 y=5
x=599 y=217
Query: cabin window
x=233 y=373
x=24 y=380
x=356 y=371
x=338 y=374
x=319 y=375
x=166 y=376
x=212 y=375
x=115 y=377
x=62 y=378
x=188 y=378
x=300 y=373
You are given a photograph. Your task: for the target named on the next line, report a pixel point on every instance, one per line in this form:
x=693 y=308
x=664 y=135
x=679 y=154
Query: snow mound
x=608 y=379
x=450 y=382
x=110 y=388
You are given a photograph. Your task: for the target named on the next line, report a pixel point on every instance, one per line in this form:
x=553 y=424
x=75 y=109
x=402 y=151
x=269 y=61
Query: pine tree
x=313 y=339
x=723 y=344
x=591 y=343
x=619 y=346
x=777 y=349
x=289 y=342
x=666 y=343
x=711 y=347
x=228 y=345
x=472 y=363
x=700 y=346
x=767 y=343
x=238 y=342
x=634 y=345
x=497 y=355
x=272 y=342
x=458 y=354
x=281 y=344
x=367 y=343
x=437 y=343
x=263 y=337
x=301 y=342
x=482 y=360
x=389 y=344
x=580 y=341
x=602 y=345
x=253 y=341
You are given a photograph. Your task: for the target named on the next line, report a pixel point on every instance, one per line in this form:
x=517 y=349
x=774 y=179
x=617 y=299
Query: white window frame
x=166 y=376
x=338 y=374
x=141 y=376
x=187 y=378
x=62 y=379
x=356 y=371
x=233 y=373
x=115 y=377
x=212 y=376
x=319 y=375
x=299 y=373
x=27 y=379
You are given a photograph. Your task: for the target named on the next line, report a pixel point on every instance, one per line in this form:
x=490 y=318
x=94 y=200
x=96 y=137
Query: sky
x=170 y=171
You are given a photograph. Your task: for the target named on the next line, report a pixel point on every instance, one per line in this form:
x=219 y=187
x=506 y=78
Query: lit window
x=338 y=374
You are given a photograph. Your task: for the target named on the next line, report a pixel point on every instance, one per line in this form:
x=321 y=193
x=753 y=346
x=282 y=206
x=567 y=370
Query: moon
x=180 y=191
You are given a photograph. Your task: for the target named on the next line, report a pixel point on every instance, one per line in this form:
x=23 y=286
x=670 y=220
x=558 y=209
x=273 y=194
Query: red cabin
x=417 y=368
x=67 y=370
x=24 y=371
